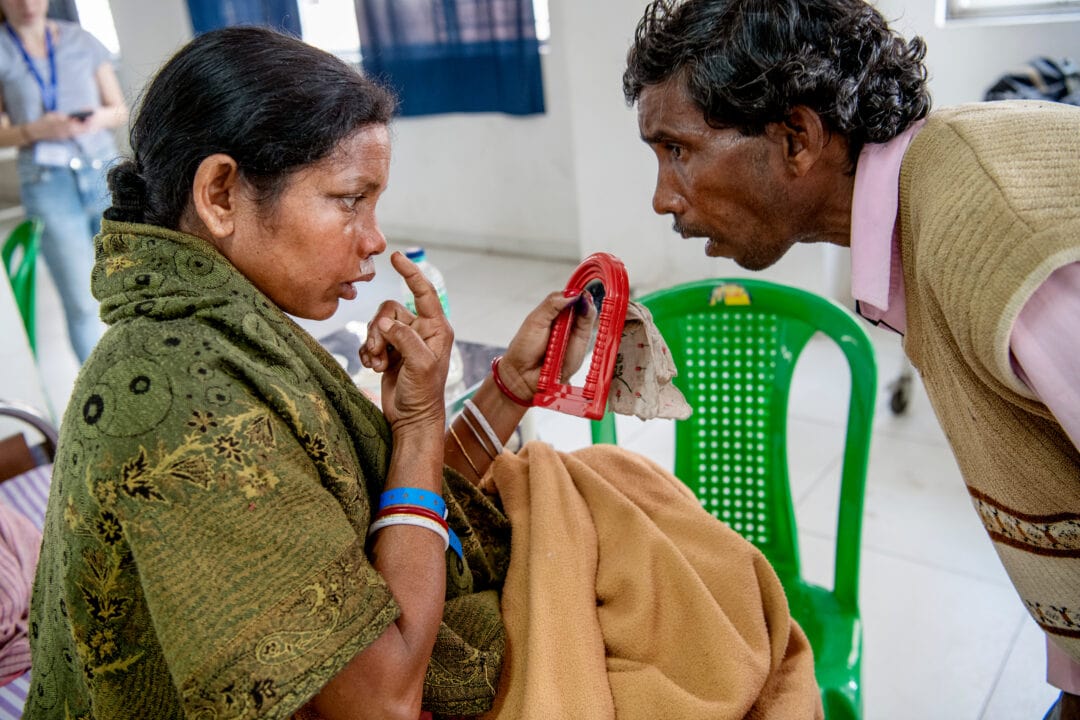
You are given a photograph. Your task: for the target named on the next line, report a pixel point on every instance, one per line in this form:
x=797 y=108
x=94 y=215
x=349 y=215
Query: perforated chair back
x=736 y=344
x=20 y=253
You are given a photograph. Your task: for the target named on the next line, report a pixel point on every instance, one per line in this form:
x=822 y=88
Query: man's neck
x=833 y=202
x=837 y=215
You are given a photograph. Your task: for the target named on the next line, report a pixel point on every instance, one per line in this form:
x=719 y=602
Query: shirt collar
x=875 y=272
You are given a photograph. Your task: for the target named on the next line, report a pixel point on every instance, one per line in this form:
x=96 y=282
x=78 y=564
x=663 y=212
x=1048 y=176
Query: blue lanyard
x=48 y=94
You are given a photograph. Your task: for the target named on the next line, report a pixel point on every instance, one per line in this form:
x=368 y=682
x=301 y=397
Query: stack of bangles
x=417 y=507
x=485 y=434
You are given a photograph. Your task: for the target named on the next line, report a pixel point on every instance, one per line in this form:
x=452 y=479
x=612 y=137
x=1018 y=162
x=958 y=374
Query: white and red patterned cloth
x=642 y=385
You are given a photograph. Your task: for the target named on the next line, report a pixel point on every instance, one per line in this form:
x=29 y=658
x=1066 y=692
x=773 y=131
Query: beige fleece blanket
x=625 y=599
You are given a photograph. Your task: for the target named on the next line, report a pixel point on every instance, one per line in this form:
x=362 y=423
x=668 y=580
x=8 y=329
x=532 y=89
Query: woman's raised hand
x=520 y=367
x=412 y=352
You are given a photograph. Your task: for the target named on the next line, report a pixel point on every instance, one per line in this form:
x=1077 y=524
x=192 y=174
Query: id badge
x=51 y=154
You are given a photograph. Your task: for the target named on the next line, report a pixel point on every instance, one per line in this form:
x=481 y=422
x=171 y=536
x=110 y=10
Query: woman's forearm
x=386 y=679
x=111 y=117
x=114 y=110
x=16 y=135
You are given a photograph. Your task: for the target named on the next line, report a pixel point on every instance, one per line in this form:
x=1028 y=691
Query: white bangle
x=476 y=434
x=415 y=520
x=475 y=412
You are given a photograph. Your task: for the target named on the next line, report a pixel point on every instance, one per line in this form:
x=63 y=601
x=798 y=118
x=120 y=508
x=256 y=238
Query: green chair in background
x=20 y=253
x=736 y=343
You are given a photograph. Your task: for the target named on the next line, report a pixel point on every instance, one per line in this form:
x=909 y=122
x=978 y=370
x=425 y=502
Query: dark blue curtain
x=63 y=10
x=212 y=14
x=444 y=56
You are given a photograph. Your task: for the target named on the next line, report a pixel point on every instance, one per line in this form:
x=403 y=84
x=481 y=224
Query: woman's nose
x=374 y=241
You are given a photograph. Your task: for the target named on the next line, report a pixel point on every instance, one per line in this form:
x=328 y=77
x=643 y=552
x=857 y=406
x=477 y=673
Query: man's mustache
x=685 y=230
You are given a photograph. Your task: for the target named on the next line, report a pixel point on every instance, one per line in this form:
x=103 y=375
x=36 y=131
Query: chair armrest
x=35 y=419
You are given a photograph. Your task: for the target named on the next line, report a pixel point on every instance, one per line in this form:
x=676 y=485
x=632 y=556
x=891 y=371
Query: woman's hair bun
x=128 y=193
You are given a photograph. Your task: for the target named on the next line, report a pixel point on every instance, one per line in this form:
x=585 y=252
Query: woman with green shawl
x=234 y=530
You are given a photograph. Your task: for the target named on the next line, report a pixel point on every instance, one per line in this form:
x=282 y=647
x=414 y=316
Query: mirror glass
x=579 y=349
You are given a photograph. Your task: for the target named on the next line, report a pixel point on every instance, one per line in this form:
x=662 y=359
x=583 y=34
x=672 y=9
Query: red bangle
x=502 y=387
x=412 y=510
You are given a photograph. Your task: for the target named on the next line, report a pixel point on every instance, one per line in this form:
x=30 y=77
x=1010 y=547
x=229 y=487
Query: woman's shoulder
x=72 y=35
x=66 y=31
x=67 y=28
x=9 y=53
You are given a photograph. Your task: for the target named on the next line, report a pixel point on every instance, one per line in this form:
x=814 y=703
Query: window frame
x=1008 y=11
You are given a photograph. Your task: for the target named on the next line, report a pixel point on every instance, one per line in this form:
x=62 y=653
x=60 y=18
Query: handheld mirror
x=603 y=276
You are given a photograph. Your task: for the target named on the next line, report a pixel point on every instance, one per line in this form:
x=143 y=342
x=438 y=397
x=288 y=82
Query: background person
x=50 y=69
x=780 y=122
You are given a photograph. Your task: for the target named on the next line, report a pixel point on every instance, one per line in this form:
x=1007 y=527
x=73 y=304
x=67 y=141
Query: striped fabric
x=13 y=697
x=28 y=494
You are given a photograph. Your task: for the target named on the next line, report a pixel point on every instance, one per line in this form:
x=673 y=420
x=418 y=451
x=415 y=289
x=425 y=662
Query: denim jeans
x=70 y=203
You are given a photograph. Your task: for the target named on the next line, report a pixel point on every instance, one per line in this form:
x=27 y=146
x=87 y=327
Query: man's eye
x=675 y=150
x=350 y=201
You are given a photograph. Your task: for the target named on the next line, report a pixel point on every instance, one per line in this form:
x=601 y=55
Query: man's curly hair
x=746 y=63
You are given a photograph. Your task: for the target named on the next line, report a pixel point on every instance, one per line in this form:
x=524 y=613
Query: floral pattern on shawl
x=205 y=537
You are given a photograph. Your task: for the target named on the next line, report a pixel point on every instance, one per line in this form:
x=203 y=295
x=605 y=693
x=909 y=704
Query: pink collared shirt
x=19 y=545
x=1045 y=343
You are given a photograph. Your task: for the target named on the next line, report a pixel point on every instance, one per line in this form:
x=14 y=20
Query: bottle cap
x=416 y=254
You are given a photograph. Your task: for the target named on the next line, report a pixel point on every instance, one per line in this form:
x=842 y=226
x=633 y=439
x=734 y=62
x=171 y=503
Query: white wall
x=486 y=180
x=578 y=179
x=964 y=59
x=149 y=32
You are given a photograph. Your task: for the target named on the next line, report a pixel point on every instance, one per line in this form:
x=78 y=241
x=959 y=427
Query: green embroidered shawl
x=204 y=551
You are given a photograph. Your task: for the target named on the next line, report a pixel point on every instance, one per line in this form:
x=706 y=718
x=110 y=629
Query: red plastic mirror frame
x=590 y=400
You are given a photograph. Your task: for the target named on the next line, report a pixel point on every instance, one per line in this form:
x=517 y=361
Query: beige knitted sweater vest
x=989 y=207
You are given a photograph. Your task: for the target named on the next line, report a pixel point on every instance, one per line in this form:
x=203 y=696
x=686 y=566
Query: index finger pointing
x=427 y=299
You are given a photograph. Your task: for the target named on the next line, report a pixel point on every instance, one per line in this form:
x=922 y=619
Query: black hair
x=746 y=63
x=270 y=101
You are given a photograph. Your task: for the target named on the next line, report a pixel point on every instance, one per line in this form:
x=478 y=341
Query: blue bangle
x=413 y=496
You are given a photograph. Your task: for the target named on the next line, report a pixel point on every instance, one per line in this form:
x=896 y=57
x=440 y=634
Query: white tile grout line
x=833 y=469
x=889 y=552
x=1001 y=667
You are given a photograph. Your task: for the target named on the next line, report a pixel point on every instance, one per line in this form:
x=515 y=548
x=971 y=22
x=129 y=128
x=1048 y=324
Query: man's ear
x=215 y=194
x=803 y=137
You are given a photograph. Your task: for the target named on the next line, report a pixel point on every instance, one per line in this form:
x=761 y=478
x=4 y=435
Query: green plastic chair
x=736 y=343
x=20 y=253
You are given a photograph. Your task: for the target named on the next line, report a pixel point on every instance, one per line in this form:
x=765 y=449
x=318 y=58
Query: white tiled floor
x=945 y=635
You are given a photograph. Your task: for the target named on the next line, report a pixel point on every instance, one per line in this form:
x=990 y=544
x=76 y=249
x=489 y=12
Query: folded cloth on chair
x=624 y=598
x=19 y=545
x=641 y=384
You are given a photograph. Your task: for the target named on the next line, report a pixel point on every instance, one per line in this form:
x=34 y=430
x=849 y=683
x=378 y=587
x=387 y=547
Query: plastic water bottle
x=455 y=376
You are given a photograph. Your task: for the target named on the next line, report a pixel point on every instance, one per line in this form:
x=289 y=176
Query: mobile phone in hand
x=80 y=115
